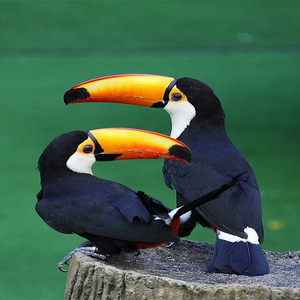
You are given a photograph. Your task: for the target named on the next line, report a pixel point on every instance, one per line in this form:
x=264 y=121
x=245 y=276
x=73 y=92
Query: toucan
x=198 y=120
x=111 y=216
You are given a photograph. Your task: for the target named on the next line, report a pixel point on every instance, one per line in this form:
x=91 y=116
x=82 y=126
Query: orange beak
x=136 y=89
x=124 y=143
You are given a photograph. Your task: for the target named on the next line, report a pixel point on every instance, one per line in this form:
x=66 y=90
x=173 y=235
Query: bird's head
x=185 y=99
x=77 y=151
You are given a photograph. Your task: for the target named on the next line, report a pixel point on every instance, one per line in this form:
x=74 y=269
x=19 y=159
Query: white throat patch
x=181 y=114
x=81 y=163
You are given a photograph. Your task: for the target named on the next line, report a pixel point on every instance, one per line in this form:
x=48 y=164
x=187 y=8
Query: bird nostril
x=75 y=95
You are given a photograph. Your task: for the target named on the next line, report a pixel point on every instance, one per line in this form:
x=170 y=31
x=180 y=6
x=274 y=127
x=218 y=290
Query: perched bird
x=198 y=120
x=110 y=215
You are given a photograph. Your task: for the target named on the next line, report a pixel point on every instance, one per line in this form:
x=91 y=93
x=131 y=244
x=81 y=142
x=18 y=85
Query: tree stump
x=178 y=273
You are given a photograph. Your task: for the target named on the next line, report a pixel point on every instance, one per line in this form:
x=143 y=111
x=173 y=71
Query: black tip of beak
x=76 y=94
x=181 y=152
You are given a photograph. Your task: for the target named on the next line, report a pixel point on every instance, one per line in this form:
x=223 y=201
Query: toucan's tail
x=242 y=258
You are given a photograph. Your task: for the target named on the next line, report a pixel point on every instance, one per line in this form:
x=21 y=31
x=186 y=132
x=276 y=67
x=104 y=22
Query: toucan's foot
x=170 y=244
x=137 y=252
x=91 y=251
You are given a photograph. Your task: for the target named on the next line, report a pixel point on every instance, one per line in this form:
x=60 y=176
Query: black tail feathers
x=154 y=206
x=242 y=258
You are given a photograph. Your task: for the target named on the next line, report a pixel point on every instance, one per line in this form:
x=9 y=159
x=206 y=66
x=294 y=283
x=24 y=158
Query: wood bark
x=178 y=273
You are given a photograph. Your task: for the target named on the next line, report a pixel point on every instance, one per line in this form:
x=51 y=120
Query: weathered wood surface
x=178 y=273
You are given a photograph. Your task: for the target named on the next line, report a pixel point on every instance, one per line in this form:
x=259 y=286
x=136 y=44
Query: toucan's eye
x=176 y=97
x=88 y=149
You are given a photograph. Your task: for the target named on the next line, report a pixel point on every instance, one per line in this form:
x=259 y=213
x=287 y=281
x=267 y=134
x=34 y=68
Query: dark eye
x=88 y=149
x=176 y=97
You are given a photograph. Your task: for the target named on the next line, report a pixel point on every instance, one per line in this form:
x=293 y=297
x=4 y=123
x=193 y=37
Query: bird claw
x=170 y=245
x=91 y=251
x=137 y=252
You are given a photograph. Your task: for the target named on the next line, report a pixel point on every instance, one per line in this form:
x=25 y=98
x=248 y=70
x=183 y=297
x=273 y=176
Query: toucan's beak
x=123 y=143
x=137 y=89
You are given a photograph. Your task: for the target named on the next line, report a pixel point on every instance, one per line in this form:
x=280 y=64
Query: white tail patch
x=251 y=233
x=183 y=218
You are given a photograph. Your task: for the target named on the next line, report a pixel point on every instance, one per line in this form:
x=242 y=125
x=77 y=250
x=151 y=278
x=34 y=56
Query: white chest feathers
x=181 y=114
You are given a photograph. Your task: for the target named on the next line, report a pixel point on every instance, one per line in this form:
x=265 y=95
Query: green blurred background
x=247 y=51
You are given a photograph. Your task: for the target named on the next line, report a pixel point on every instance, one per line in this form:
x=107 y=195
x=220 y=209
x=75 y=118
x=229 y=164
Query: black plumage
x=215 y=160
x=107 y=213
x=198 y=120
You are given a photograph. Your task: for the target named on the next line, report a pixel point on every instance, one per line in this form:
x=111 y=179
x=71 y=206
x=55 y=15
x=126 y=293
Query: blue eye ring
x=88 y=149
x=176 y=97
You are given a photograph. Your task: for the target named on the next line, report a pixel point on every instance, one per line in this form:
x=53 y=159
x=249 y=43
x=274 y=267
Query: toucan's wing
x=242 y=203
x=106 y=209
